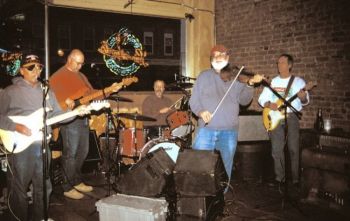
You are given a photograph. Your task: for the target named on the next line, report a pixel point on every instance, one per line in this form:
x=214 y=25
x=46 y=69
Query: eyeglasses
x=39 y=67
x=78 y=63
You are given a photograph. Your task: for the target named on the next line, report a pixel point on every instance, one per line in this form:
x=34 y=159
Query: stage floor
x=245 y=201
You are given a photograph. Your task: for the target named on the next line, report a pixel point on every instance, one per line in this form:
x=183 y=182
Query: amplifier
x=251 y=128
x=335 y=144
x=317 y=158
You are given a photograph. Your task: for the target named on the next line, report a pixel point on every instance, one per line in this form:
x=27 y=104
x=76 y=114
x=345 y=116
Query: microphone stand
x=45 y=150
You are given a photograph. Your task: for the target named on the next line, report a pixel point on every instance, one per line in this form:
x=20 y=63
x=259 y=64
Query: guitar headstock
x=129 y=80
x=98 y=105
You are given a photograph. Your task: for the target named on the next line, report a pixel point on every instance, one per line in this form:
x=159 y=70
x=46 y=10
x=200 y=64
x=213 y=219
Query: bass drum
x=171 y=148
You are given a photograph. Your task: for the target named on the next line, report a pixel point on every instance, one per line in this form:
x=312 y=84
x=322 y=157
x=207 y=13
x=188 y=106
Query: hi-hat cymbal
x=119 y=98
x=135 y=116
x=182 y=85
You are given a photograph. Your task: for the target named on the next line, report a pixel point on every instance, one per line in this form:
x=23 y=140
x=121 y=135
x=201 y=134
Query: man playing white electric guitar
x=22 y=98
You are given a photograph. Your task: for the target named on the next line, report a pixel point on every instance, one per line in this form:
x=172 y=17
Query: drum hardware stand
x=110 y=161
x=134 y=134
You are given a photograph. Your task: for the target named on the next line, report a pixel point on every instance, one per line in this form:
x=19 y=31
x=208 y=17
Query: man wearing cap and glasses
x=22 y=98
x=219 y=132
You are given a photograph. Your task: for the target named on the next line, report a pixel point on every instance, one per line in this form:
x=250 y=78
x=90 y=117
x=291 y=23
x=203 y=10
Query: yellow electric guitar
x=271 y=118
x=15 y=142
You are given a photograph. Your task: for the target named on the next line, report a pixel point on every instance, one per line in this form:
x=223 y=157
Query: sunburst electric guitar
x=113 y=88
x=271 y=118
x=15 y=142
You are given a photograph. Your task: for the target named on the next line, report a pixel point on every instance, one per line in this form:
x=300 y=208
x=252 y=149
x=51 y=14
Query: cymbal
x=135 y=116
x=119 y=98
x=182 y=85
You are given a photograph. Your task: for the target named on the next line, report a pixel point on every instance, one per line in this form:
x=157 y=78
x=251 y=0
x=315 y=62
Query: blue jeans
x=75 y=137
x=277 y=142
x=224 y=141
x=27 y=167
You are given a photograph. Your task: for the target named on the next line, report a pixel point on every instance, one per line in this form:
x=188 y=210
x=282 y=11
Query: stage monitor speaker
x=148 y=176
x=199 y=173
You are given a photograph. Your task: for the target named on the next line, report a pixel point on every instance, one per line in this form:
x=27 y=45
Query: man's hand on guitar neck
x=302 y=96
x=83 y=110
x=70 y=103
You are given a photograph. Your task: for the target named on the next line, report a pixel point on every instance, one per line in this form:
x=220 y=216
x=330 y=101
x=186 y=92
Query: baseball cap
x=30 y=60
x=219 y=48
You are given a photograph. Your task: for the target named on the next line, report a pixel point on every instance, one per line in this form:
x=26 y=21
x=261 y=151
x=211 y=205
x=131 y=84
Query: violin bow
x=222 y=99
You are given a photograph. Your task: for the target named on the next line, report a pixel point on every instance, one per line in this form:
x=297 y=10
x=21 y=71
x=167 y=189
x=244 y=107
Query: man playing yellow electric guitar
x=285 y=87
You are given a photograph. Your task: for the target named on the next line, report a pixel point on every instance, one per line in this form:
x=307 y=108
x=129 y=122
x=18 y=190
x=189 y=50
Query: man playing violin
x=220 y=131
x=268 y=99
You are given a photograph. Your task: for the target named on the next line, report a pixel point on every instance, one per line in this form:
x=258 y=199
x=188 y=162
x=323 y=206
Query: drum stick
x=175 y=103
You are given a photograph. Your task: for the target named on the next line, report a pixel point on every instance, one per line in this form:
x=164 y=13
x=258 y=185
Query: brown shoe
x=83 y=188
x=73 y=194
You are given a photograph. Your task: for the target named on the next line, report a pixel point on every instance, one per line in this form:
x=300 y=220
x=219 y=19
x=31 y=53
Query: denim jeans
x=24 y=168
x=75 y=137
x=224 y=141
x=278 y=141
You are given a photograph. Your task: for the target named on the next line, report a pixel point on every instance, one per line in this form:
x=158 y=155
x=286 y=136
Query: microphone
x=94 y=66
x=43 y=81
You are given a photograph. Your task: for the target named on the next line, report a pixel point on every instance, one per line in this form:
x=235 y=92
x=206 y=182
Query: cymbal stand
x=110 y=161
x=134 y=136
x=110 y=121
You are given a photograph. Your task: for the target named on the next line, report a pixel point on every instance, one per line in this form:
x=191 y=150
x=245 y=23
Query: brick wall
x=315 y=32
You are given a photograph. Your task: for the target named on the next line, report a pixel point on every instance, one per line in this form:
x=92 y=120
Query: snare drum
x=131 y=141
x=171 y=148
x=179 y=123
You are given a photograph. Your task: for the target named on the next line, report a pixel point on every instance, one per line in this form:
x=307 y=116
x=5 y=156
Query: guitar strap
x=290 y=82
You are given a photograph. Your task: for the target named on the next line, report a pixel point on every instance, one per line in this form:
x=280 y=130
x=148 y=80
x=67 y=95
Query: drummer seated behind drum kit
x=135 y=143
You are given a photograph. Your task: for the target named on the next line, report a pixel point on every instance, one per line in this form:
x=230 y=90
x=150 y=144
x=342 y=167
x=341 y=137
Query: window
x=148 y=42
x=63 y=33
x=168 y=44
x=107 y=32
x=38 y=36
x=89 y=38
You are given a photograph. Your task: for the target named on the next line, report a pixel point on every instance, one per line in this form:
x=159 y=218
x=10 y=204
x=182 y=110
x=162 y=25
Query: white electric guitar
x=15 y=142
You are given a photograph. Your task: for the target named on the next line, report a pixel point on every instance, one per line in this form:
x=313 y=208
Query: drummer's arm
x=164 y=110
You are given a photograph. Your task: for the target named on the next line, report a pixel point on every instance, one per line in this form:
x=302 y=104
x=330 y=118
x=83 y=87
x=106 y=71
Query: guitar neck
x=97 y=94
x=62 y=117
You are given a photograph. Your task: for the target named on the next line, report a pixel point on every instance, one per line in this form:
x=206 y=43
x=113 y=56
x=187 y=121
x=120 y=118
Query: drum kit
x=134 y=143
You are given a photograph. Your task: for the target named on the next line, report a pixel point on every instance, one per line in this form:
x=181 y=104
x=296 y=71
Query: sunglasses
x=37 y=66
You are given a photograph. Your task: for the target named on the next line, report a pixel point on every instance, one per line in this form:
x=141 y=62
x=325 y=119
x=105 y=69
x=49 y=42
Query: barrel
x=253 y=161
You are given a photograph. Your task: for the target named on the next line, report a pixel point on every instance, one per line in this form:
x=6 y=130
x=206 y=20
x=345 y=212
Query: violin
x=228 y=73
